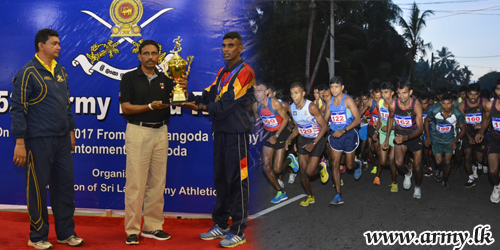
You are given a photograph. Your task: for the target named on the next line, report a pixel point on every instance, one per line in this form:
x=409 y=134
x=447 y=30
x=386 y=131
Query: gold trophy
x=175 y=69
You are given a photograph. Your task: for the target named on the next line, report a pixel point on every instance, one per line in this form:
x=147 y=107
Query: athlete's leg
x=267 y=155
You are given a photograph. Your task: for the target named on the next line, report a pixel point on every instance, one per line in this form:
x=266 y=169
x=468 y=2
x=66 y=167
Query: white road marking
x=281 y=204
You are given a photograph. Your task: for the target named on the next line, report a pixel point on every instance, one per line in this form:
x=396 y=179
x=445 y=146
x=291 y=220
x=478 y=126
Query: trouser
x=146 y=171
x=231 y=180
x=49 y=162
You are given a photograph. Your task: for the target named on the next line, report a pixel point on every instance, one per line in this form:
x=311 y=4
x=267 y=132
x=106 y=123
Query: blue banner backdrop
x=95 y=58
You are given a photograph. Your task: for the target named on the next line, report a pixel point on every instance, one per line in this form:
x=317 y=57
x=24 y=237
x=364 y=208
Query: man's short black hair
x=387 y=85
x=322 y=87
x=297 y=84
x=43 y=35
x=447 y=96
x=404 y=84
x=463 y=89
x=474 y=87
x=148 y=42
x=233 y=35
x=337 y=80
x=263 y=84
x=365 y=93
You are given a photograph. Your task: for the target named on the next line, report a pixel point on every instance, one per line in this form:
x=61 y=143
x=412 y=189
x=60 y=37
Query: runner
x=407 y=134
x=275 y=122
x=473 y=108
x=492 y=112
x=369 y=109
x=386 y=148
x=449 y=129
x=344 y=116
x=291 y=159
x=311 y=143
x=426 y=108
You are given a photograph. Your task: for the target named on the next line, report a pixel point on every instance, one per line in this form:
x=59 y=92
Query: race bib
x=375 y=119
x=424 y=116
x=403 y=121
x=308 y=131
x=473 y=118
x=443 y=128
x=270 y=121
x=495 y=122
x=338 y=118
x=384 y=114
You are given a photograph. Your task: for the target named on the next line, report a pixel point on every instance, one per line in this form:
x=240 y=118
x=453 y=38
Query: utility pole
x=332 y=41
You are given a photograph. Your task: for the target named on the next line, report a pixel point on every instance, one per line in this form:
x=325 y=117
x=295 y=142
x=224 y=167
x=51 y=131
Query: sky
x=469 y=28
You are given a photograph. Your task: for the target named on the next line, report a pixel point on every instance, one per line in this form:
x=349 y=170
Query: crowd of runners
x=385 y=127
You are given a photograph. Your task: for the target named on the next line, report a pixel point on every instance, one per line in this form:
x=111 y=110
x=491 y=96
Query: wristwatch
x=199 y=106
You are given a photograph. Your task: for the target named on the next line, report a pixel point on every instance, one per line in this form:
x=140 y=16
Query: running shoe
x=417 y=194
x=428 y=172
x=376 y=181
x=358 y=172
x=365 y=165
x=43 y=244
x=374 y=170
x=439 y=175
x=394 y=187
x=72 y=241
x=337 y=200
x=323 y=173
x=445 y=185
x=495 y=195
x=280 y=182
x=342 y=169
x=215 y=233
x=407 y=181
x=470 y=183
x=291 y=178
x=485 y=169
x=294 y=164
x=157 y=235
x=307 y=201
x=474 y=171
x=280 y=196
x=232 y=240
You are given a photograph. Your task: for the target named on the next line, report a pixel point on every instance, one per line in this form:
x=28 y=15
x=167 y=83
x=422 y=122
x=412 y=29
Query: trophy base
x=178 y=102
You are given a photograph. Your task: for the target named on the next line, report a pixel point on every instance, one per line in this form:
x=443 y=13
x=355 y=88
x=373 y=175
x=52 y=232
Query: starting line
x=281 y=204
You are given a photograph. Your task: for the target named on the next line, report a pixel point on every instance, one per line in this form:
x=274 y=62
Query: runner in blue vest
x=344 y=117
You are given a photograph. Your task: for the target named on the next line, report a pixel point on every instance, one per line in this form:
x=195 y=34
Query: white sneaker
x=407 y=181
x=43 y=244
x=72 y=240
x=474 y=171
x=282 y=185
x=417 y=194
x=485 y=169
x=291 y=178
x=495 y=195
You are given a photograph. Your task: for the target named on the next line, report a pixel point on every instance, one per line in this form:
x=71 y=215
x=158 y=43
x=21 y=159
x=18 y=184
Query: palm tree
x=444 y=56
x=411 y=32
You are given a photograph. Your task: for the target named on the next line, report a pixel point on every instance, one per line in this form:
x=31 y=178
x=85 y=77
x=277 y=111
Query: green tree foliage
x=366 y=44
x=489 y=80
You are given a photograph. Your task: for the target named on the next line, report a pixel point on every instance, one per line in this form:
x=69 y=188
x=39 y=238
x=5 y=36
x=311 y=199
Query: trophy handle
x=189 y=61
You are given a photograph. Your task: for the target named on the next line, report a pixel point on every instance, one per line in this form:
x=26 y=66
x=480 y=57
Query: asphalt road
x=371 y=208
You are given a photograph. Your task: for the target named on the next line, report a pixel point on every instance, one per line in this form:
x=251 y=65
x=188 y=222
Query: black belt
x=149 y=124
